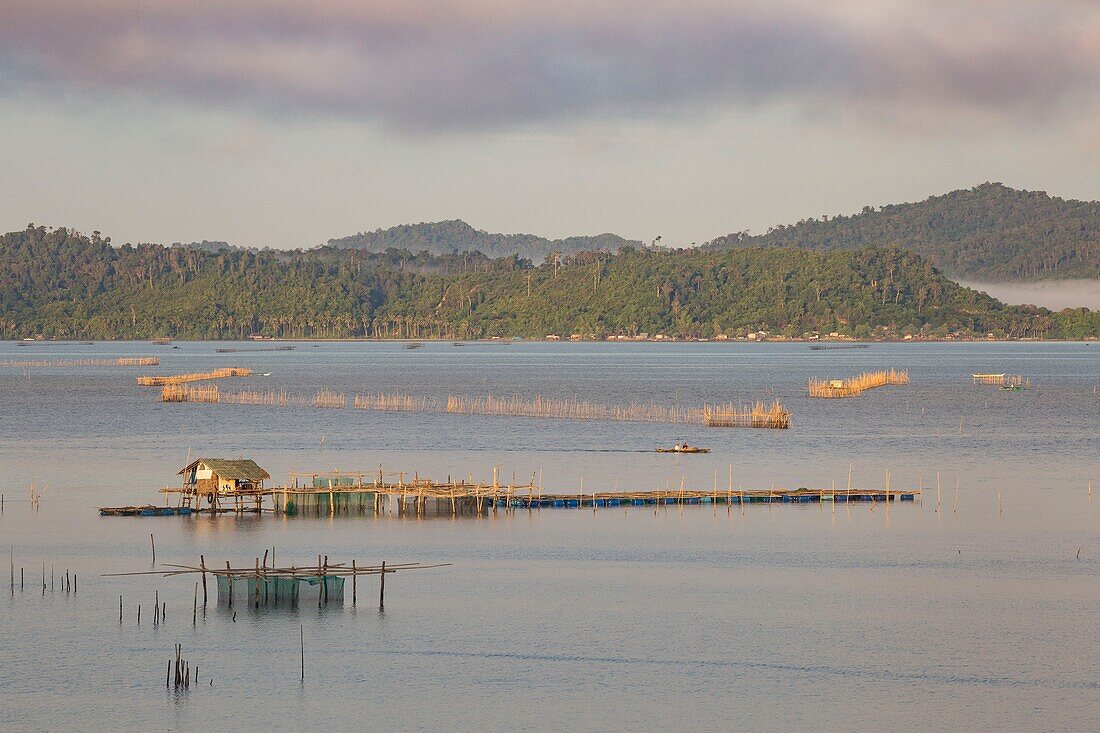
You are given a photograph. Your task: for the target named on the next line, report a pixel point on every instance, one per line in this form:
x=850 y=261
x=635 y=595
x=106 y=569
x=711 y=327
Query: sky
x=286 y=122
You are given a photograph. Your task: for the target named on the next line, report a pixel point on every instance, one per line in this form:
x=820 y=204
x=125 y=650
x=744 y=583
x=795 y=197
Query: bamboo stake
x=382 y=590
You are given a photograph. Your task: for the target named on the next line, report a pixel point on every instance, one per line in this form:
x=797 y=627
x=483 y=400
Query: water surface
x=979 y=616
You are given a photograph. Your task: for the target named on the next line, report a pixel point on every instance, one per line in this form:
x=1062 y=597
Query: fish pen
x=758 y=416
x=222 y=373
x=856 y=386
x=123 y=361
x=266 y=585
x=375 y=494
x=424 y=498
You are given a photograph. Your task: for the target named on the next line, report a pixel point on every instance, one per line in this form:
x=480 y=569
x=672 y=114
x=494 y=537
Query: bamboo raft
x=123 y=361
x=174 y=379
x=856 y=386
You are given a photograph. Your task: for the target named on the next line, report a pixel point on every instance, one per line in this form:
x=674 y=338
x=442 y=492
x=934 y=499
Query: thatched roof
x=241 y=469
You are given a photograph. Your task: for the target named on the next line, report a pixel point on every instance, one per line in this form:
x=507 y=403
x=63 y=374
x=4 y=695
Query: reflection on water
x=980 y=615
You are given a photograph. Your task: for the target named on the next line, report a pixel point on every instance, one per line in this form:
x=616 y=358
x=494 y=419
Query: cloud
x=462 y=64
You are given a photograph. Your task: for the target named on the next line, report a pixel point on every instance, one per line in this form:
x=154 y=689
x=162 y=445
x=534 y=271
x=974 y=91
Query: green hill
x=445 y=237
x=990 y=232
x=60 y=284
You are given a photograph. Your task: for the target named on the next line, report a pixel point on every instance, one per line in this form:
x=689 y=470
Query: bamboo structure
x=193 y=377
x=261 y=584
x=570 y=409
x=856 y=386
x=758 y=416
x=1001 y=380
x=380 y=493
x=211 y=394
x=123 y=361
x=391 y=402
x=328 y=398
x=363 y=494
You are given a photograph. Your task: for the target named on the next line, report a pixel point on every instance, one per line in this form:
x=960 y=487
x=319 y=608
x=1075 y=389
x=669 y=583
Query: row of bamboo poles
x=123 y=361
x=391 y=402
x=570 y=409
x=222 y=373
x=211 y=394
x=856 y=386
x=1001 y=380
x=758 y=415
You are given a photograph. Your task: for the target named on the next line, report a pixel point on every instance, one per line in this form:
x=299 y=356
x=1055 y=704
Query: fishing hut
x=236 y=481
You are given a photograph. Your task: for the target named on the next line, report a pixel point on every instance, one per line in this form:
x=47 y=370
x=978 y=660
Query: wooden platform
x=354 y=493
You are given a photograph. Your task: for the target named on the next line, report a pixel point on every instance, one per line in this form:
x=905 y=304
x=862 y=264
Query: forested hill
x=445 y=237
x=990 y=232
x=56 y=283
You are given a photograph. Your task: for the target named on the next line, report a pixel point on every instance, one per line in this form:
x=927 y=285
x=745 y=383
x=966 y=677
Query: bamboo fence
x=193 y=377
x=124 y=361
x=211 y=394
x=391 y=402
x=1000 y=380
x=758 y=416
x=856 y=386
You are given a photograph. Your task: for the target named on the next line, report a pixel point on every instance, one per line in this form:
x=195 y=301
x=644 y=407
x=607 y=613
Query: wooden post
x=354 y=575
x=120 y=610
x=153 y=545
x=382 y=589
x=195 y=606
x=202 y=564
x=302 y=642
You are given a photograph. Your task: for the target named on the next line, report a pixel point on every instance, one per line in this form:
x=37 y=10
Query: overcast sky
x=286 y=122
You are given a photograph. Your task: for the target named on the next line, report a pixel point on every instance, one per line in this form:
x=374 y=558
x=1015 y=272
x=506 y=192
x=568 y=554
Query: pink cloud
x=452 y=64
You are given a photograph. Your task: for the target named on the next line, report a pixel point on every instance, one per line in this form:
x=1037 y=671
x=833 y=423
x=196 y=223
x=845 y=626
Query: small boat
x=683 y=448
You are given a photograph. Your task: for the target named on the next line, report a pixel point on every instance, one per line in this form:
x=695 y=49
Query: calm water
x=978 y=617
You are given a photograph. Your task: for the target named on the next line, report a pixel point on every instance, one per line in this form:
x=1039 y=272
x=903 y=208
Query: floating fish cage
x=279 y=591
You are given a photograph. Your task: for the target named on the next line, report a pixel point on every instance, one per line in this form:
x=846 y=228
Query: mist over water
x=973 y=609
x=1055 y=295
